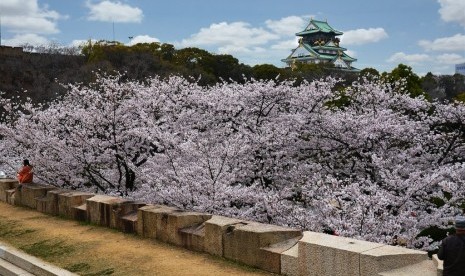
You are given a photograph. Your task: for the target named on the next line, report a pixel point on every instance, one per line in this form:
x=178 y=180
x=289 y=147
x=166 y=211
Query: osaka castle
x=319 y=43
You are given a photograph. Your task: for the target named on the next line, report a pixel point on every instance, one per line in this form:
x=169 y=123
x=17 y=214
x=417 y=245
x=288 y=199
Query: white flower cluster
x=364 y=160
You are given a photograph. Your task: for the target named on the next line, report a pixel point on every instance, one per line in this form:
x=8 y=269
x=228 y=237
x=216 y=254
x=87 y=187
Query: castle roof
x=316 y=26
x=319 y=44
x=305 y=52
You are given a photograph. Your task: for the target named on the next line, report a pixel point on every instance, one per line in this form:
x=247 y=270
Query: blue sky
x=428 y=35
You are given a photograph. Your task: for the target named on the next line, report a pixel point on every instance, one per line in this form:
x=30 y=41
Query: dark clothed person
x=452 y=250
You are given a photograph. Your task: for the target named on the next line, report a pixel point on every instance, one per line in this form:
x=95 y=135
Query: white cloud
x=81 y=42
x=143 y=39
x=19 y=7
x=286 y=44
x=451 y=44
x=231 y=37
x=363 y=36
x=401 y=57
x=452 y=10
x=450 y=59
x=109 y=11
x=25 y=16
x=287 y=26
x=26 y=24
x=23 y=39
x=241 y=50
x=267 y=44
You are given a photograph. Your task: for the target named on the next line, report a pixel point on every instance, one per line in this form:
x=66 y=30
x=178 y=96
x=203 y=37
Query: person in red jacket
x=25 y=174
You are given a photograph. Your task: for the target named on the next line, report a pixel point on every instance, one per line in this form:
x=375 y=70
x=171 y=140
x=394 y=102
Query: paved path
x=14 y=262
x=91 y=250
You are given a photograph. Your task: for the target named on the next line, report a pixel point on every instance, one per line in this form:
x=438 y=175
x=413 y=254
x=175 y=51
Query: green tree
x=369 y=73
x=405 y=73
x=227 y=67
x=153 y=47
x=191 y=57
x=266 y=72
x=460 y=97
x=310 y=71
x=167 y=51
x=447 y=83
x=430 y=84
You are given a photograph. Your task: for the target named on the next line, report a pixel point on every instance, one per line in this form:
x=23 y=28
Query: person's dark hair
x=26 y=162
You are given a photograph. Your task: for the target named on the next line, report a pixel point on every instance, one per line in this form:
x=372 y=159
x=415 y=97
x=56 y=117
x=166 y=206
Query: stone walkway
x=91 y=250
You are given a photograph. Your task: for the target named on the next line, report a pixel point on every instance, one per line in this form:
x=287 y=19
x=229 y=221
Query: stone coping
x=277 y=249
x=30 y=263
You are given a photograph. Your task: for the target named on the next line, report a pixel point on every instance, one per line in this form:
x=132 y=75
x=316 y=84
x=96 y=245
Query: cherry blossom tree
x=366 y=160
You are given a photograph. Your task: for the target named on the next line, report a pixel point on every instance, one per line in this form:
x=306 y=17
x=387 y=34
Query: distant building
x=319 y=43
x=460 y=68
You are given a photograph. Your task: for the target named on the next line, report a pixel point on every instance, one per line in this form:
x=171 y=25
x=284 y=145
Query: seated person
x=25 y=174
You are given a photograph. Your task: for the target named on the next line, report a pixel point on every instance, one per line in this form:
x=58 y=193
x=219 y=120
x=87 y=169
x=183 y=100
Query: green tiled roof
x=329 y=48
x=347 y=57
x=328 y=57
x=320 y=26
x=315 y=54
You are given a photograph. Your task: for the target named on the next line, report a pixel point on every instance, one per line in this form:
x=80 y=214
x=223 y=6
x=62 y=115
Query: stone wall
x=11 y=51
x=277 y=249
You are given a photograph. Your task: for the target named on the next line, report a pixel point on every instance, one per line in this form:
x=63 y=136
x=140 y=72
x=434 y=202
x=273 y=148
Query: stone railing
x=272 y=248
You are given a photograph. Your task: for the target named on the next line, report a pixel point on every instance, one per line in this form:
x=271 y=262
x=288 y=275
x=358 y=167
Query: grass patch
x=48 y=248
x=85 y=268
x=108 y=271
x=79 y=267
x=39 y=217
x=9 y=229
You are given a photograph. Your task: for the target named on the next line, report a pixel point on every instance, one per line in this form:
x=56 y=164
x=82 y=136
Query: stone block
x=290 y=261
x=41 y=204
x=423 y=268
x=80 y=212
x=386 y=257
x=10 y=196
x=100 y=208
x=259 y=245
x=5 y=185
x=215 y=229
x=68 y=200
x=168 y=227
x=120 y=209
x=439 y=265
x=16 y=196
x=148 y=217
x=271 y=256
x=193 y=237
x=129 y=222
x=49 y=203
x=30 y=192
x=324 y=255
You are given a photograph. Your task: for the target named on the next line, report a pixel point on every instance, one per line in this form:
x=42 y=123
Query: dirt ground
x=91 y=250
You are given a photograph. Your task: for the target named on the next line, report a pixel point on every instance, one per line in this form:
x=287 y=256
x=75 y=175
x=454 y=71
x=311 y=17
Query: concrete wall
x=277 y=249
